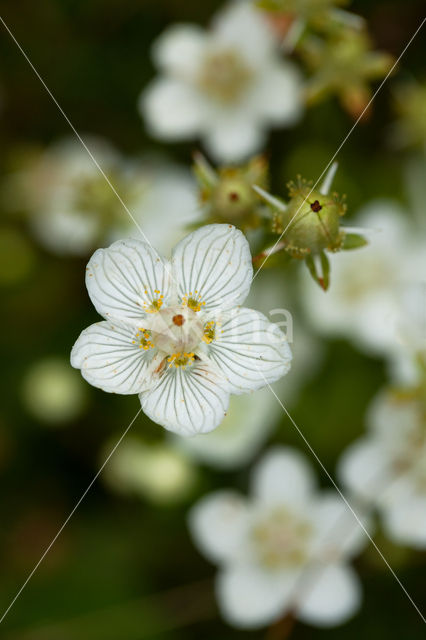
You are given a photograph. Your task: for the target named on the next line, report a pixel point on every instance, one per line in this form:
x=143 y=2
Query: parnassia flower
x=227 y=84
x=284 y=550
x=174 y=332
x=72 y=209
x=387 y=467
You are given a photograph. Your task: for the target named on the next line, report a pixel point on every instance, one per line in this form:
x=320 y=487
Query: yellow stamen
x=209 y=332
x=144 y=339
x=156 y=303
x=193 y=301
x=181 y=359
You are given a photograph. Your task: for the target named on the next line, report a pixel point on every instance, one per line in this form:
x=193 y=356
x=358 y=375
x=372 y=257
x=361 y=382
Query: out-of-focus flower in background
x=155 y=471
x=227 y=84
x=387 y=467
x=284 y=550
x=72 y=209
x=175 y=333
x=53 y=392
x=365 y=302
x=343 y=63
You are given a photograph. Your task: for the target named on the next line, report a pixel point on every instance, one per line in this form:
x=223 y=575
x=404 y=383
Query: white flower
x=72 y=208
x=227 y=84
x=365 y=302
x=387 y=468
x=283 y=549
x=174 y=332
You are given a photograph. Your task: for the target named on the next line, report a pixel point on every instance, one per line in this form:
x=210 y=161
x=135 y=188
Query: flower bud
x=227 y=194
x=312 y=221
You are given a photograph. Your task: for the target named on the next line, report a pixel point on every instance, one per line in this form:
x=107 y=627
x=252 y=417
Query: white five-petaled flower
x=283 y=550
x=387 y=468
x=174 y=332
x=72 y=208
x=227 y=84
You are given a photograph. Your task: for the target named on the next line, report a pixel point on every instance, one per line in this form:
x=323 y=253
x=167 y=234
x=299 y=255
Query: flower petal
x=178 y=50
x=250 y=351
x=283 y=476
x=122 y=280
x=213 y=264
x=249 y=597
x=110 y=358
x=237 y=439
x=242 y=26
x=405 y=518
x=333 y=594
x=234 y=136
x=337 y=531
x=187 y=400
x=173 y=110
x=218 y=524
x=279 y=94
x=363 y=468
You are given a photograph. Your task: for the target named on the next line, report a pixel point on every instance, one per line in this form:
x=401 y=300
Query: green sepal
x=353 y=241
x=323 y=278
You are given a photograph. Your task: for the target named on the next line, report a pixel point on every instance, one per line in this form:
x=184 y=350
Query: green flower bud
x=227 y=194
x=308 y=225
x=312 y=221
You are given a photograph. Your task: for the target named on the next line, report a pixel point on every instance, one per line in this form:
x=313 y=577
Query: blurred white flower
x=52 y=392
x=174 y=332
x=387 y=468
x=154 y=471
x=283 y=550
x=227 y=84
x=365 y=302
x=252 y=418
x=72 y=208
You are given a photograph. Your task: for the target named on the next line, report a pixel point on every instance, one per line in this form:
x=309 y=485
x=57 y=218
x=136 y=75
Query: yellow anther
x=144 y=339
x=193 y=301
x=181 y=359
x=155 y=305
x=209 y=332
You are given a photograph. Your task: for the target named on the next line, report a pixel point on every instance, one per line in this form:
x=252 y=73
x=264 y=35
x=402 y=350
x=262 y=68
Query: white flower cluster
x=174 y=331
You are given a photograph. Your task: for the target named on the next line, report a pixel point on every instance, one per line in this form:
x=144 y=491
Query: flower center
x=143 y=337
x=281 y=540
x=177 y=331
x=224 y=76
